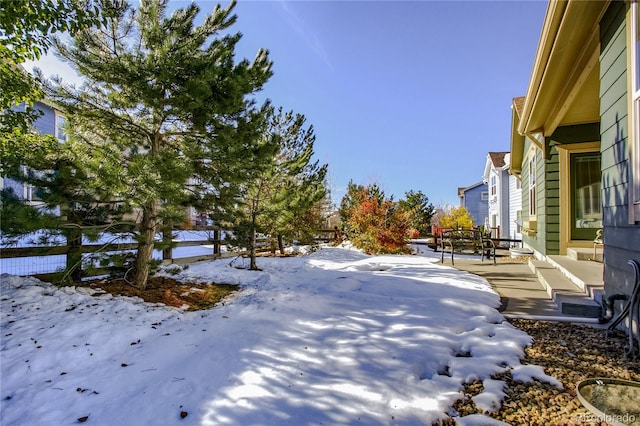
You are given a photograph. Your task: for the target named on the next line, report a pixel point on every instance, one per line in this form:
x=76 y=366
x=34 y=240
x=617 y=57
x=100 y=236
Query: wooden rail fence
x=168 y=257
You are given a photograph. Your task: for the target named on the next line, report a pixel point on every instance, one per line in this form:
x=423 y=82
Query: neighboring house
x=50 y=122
x=576 y=136
x=496 y=176
x=475 y=199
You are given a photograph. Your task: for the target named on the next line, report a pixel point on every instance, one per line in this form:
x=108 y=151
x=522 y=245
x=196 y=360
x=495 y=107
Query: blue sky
x=410 y=95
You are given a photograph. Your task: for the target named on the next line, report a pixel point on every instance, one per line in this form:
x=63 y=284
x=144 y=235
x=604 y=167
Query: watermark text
x=609 y=418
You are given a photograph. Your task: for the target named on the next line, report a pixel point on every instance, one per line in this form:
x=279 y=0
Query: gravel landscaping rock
x=569 y=353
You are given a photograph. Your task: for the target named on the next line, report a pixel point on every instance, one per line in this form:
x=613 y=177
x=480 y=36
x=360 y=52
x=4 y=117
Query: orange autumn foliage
x=376 y=224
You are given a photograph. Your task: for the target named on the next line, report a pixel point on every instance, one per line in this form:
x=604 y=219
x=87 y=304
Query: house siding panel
x=525 y=202
x=620 y=237
x=611 y=156
x=616 y=64
x=15 y=187
x=535 y=242
x=541 y=203
x=515 y=206
x=614 y=175
x=609 y=29
x=505 y=223
x=616 y=196
x=553 y=166
x=616 y=102
x=552 y=201
x=473 y=202
x=46 y=123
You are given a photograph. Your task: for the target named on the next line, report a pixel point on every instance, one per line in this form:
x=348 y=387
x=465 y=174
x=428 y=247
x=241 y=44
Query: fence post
x=74 y=255
x=167 y=236
x=73 y=235
x=216 y=241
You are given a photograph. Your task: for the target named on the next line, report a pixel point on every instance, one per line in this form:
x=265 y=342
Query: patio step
x=572 y=288
x=587 y=275
x=585 y=254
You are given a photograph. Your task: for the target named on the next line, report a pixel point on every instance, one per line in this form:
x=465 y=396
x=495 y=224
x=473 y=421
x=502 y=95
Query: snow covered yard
x=336 y=337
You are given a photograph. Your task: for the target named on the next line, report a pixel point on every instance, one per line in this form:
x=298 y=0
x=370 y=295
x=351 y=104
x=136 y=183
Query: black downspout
x=631 y=310
x=608 y=307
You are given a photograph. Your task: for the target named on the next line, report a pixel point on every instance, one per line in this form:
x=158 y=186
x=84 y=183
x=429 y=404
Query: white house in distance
x=505 y=197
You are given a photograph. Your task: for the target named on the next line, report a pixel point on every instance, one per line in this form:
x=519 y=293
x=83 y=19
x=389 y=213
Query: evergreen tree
x=294 y=208
x=87 y=207
x=164 y=118
x=420 y=210
x=352 y=198
x=280 y=197
x=304 y=226
x=19 y=218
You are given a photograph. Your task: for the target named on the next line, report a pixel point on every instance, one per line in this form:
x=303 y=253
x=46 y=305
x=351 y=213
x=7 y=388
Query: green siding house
x=575 y=140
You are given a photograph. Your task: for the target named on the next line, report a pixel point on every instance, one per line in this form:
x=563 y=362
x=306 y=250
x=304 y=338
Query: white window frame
x=29 y=191
x=494 y=185
x=533 y=197
x=634 y=113
x=59 y=132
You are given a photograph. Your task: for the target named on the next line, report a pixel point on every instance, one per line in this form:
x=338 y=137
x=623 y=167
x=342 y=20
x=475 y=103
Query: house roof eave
x=487 y=169
x=567 y=42
x=517 y=140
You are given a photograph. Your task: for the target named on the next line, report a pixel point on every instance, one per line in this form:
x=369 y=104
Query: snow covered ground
x=335 y=337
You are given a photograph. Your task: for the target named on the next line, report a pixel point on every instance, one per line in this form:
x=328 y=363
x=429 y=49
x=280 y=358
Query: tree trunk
x=253 y=266
x=144 y=254
x=280 y=244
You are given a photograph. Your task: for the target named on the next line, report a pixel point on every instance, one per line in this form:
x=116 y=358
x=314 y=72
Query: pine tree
x=87 y=207
x=164 y=118
x=420 y=210
x=293 y=207
x=284 y=191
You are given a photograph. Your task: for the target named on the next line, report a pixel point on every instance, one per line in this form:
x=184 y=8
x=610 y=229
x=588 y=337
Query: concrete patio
x=559 y=287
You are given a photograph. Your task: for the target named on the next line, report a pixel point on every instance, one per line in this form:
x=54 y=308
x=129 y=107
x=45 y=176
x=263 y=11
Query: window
x=31 y=193
x=586 y=188
x=484 y=195
x=635 y=112
x=532 y=185
x=61 y=123
x=493 y=186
